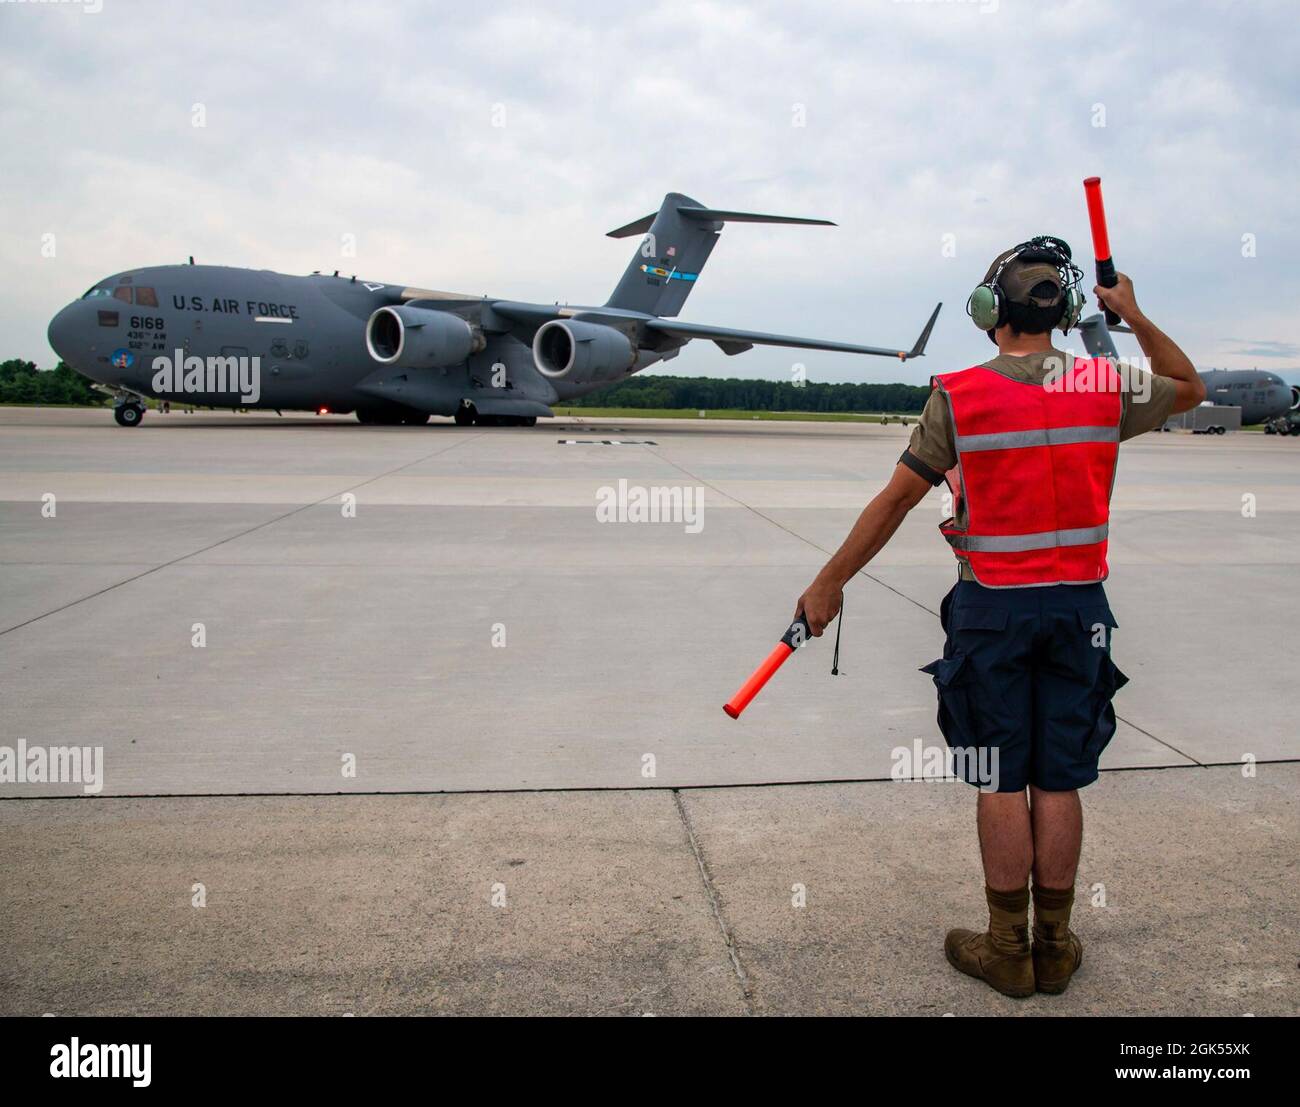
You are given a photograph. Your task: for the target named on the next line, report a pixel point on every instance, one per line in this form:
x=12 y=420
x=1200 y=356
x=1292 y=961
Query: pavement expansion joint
x=715 y=903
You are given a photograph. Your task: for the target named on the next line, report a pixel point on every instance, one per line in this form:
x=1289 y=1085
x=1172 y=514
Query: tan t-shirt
x=1147 y=402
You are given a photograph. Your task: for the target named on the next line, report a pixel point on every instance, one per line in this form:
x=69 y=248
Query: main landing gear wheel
x=465 y=415
x=128 y=415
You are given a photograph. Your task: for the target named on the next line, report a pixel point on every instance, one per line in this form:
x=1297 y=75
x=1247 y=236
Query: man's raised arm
x=1167 y=360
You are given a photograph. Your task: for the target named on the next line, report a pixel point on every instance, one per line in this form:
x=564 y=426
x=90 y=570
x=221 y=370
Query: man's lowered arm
x=821 y=601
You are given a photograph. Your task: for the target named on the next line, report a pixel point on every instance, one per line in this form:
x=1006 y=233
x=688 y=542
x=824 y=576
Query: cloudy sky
x=488 y=148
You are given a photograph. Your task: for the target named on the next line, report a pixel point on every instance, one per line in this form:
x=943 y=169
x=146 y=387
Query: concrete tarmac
x=440 y=610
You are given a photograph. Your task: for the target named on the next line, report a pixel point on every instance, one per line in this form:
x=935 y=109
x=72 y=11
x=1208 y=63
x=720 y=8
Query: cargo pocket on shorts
x=978 y=618
x=951 y=680
x=1097 y=623
x=1109 y=681
x=954 y=675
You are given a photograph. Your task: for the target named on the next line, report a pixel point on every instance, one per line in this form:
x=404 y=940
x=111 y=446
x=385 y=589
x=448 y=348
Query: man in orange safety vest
x=1027 y=443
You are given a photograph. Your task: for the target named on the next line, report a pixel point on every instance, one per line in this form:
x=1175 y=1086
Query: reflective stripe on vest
x=1035 y=465
x=1018 y=543
x=1051 y=436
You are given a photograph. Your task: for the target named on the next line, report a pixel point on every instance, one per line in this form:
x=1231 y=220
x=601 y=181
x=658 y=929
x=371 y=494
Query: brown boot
x=1057 y=949
x=1000 y=957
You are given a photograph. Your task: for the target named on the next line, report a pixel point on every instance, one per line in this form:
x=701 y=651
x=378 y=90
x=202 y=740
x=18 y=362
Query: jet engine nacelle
x=420 y=338
x=577 y=352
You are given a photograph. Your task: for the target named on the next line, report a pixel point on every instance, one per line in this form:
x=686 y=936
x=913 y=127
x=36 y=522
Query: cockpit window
x=95 y=292
x=145 y=297
x=123 y=294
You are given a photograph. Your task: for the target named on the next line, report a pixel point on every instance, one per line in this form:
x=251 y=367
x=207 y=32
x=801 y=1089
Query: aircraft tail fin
x=676 y=242
x=1096 y=337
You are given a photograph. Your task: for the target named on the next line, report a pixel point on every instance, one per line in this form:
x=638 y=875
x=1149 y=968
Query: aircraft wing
x=735 y=341
x=532 y=315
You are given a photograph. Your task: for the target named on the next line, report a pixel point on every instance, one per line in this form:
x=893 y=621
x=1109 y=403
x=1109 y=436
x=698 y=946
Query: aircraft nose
x=62 y=332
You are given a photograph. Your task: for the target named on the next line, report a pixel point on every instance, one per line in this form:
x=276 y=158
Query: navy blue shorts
x=1026 y=672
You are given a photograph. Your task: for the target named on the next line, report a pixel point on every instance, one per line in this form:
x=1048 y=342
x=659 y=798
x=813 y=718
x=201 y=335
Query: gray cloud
x=921 y=120
x=1266 y=349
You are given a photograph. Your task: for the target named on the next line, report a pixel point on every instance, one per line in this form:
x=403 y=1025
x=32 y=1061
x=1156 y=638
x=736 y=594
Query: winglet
x=918 y=350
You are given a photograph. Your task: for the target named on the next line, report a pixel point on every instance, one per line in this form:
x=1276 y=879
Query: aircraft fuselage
x=307 y=334
x=1260 y=395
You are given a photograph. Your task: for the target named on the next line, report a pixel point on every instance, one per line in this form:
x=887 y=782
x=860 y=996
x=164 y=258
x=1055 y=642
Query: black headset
x=987 y=305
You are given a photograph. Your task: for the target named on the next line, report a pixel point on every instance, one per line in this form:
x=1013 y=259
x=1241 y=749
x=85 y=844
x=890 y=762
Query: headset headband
x=1048 y=248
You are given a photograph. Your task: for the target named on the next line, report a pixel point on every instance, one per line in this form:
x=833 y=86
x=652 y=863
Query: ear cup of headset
x=1073 y=309
x=985 y=306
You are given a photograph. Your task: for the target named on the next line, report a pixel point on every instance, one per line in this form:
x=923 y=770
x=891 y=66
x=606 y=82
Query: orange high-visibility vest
x=1035 y=467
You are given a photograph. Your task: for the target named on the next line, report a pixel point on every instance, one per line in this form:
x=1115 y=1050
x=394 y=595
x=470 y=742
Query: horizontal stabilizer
x=637 y=226
x=718 y=216
x=714 y=215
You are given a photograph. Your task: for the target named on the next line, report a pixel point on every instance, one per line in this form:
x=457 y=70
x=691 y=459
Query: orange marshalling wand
x=793 y=638
x=1100 y=240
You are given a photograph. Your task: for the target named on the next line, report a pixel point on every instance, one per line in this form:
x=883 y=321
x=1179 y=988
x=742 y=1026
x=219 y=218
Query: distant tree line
x=712 y=394
x=22 y=383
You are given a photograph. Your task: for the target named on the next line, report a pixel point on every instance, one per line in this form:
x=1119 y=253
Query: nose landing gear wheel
x=128 y=415
x=465 y=415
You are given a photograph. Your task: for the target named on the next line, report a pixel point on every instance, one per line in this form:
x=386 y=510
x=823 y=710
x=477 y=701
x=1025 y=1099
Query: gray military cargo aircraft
x=220 y=337
x=1262 y=396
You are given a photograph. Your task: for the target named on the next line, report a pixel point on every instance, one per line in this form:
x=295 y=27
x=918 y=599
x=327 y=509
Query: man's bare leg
x=1006 y=839
x=1057 y=822
x=1057 y=836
